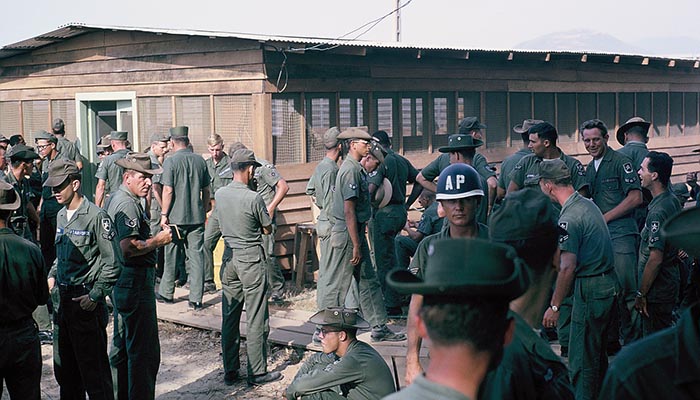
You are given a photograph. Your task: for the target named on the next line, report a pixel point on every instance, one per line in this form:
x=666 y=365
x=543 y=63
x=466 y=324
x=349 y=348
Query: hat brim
x=25 y=156
x=520 y=129
x=317 y=319
x=55 y=181
x=682 y=231
x=387 y=192
x=620 y=135
x=404 y=282
x=126 y=164
x=14 y=205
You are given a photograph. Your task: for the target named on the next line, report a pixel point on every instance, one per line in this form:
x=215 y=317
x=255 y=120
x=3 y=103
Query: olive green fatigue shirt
x=526 y=171
x=267 y=177
x=635 y=151
x=186 y=172
x=430 y=222
x=662 y=366
x=351 y=183
x=110 y=172
x=508 y=165
x=423 y=389
x=361 y=374
x=398 y=171
x=321 y=187
x=26 y=195
x=529 y=369
x=480 y=164
x=220 y=173
x=610 y=184
x=155 y=207
x=22 y=277
x=242 y=214
x=86 y=250
x=420 y=259
x=68 y=149
x=666 y=286
x=130 y=220
x=587 y=236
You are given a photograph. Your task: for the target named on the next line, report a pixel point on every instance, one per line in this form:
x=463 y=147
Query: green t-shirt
x=587 y=236
x=187 y=174
x=322 y=184
x=351 y=183
x=241 y=214
x=635 y=151
x=480 y=164
x=68 y=149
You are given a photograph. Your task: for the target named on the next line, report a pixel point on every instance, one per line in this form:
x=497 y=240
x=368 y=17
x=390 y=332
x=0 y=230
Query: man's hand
x=413 y=369
x=164 y=222
x=356 y=255
x=164 y=237
x=52 y=282
x=85 y=302
x=640 y=304
x=550 y=318
x=271 y=211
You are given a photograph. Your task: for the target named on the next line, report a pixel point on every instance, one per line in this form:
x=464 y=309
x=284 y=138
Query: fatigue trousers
x=341 y=274
x=192 y=247
x=627 y=324
x=387 y=222
x=274 y=273
x=323 y=230
x=135 y=352
x=20 y=359
x=80 y=350
x=212 y=234
x=660 y=317
x=564 y=321
x=405 y=248
x=244 y=281
x=593 y=301
x=154 y=224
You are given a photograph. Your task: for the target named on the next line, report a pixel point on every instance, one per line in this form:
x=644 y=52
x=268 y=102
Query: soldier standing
x=109 y=174
x=86 y=267
x=512 y=160
x=64 y=146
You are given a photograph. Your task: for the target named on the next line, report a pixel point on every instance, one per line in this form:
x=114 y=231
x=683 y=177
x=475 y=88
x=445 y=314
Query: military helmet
x=458 y=181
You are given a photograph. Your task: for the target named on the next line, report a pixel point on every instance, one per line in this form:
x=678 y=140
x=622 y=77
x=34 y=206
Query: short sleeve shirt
x=68 y=149
x=187 y=174
x=322 y=185
x=351 y=183
x=507 y=166
x=155 y=164
x=666 y=285
x=635 y=151
x=242 y=214
x=110 y=172
x=398 y=171
x=420 y=259
x=430 y=223
x=480 y=164
x=267 y=176
x=587 y=236
x=610 y=184
x=130 y=220
x=220 y=173
x=526 y=171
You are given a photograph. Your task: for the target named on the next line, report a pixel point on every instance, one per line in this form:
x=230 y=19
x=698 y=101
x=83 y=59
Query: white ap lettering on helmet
x=459 y=180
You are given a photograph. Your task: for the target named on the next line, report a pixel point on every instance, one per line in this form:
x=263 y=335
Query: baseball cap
x=59 y=171
x=553 y=170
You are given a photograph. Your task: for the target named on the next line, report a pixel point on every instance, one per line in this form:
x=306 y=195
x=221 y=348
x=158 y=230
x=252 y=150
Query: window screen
x=35 y=116
x=195 y=112
x=566 y=117
x=385 y=116
x=625 y=108
x=286 y=130
x=318 y=120
x=544 y=107
x=9 y=120
x=155 y=116
x=233 y=119
x=413 y=118
x=352 y=110
x=690 y=107
x=643 y=103
x=660 y=113
x=586 y=107
x=65 y=109
x=496 y=119
x=606 y=108
x=468 y=105
x=441 y=120
x=520 y=110
x=675 y=113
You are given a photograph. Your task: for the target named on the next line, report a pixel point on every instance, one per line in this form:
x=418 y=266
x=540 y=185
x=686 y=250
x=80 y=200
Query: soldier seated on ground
x=348 y=368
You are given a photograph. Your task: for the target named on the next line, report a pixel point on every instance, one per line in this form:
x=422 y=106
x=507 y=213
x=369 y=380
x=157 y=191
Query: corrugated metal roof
x=295 y=43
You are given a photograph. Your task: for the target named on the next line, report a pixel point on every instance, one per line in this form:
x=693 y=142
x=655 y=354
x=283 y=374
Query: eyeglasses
x=42 y=146
x=325 y=331
x=3 y=146
x=363 y=141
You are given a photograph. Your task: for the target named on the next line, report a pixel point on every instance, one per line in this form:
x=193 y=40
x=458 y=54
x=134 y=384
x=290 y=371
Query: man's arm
x=346 y=370
x=512 y=187
x=206 y=199
x=651 y=271
x=492 y=184
x=100 y=192
x=416 y=190
x=426 y=183
x=32 y=214
x=157 y=189
x=281 y=189
x=632 y=201
x=351 y=222
x=567 y=266
x=167 y=199
x=110 y=263
x=132 y=247
x=414 y=341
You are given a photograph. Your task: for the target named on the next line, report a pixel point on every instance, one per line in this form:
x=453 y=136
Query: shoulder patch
x=132 y=223
x=106 y=224
x=580 y=170
x=373 y=173
x=518 y=166
x=563 y=225
x=654 y=226
x=628 y=168
x=352 y=186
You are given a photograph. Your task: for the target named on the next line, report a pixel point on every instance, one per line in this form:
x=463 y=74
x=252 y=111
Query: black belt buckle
x=80 y=290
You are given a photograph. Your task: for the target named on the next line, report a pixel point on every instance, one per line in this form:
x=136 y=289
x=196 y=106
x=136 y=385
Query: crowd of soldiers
x=597 y=256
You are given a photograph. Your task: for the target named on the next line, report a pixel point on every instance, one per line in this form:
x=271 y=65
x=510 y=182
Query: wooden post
x=262 y=125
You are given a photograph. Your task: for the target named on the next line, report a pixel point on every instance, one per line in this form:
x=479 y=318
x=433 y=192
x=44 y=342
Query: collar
x=126 y=190
x=82 y=209
x=7 y=231
x=224 y=160
x=570 y=200
x=663 y=195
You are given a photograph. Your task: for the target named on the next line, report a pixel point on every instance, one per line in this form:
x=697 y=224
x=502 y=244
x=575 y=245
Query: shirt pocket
x=79 y=248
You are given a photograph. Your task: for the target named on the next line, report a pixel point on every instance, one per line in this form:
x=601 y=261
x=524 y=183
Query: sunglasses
x=366 y=142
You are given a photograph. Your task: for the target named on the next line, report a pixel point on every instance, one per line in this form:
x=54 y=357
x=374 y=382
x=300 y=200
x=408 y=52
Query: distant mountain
x=580 y=40
x=678 y=46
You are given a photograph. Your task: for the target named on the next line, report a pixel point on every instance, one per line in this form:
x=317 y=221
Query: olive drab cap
x=466 y=268
x=118 y=135
x=9 y=199
x=330 y=138
x=159 y=137
x=526 y=125
x=458 y=181
x=632 y=122
x=244 y=156
x=140 y=162
x=43 y=135
x=179 y=131
x=470 y=124
x=524 y=214
x=339 y=317
x=59 y=171
x=22 y=152
x=553 y=170
x=458 y=142
x=58 y=125
x=354 y=133
x=683 y=231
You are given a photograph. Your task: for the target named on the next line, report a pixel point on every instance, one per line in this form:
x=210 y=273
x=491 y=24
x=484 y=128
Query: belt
x=82 y=288
x=597 y=275
x=16 y=323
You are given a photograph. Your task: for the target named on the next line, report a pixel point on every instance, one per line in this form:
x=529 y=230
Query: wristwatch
x=554 y=308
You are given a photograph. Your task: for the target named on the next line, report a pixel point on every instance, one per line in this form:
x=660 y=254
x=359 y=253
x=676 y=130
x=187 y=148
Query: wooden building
x=279 y=94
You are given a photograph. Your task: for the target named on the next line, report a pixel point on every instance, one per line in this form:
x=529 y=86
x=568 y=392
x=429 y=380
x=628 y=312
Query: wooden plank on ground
x=399 y=367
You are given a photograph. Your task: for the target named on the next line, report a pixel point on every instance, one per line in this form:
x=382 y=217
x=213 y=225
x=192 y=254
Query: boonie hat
x=466 y=268
x=683 y=231
x=553 y=170
x=22 y=152
x=118 y=135
x=632 y=122
x=524 y=214
x=339 y=317
x=458 y=142
x=470 y=124
x=105 y=142
x=9 y=199
x=354 y=133
x=43 y=135
x=244 y=156
x=526 y=125
x=458 y=181
x=59 y=171
x=140 y=162
x=179 y=131
x=382 y=196
x=330 y=138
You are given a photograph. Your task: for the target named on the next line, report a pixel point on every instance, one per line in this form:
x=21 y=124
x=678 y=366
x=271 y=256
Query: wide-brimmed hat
x=526 y=125
x=632 y=122
x=382 y=196
x=59 y=171
x=354 y=133
x=469 y=124
x=140 y=162
x=339 y=317
x=43 y=135
x=22 y=152
x=243 y=156
x=683 y=231
x=105 y=142
x=330 y=138
x=524 y=214
x=553 y=170
x=377 y=150
x=466 y=268
x=459 y=142
x=9 y=199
